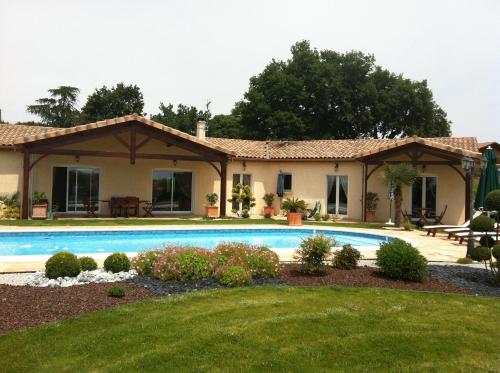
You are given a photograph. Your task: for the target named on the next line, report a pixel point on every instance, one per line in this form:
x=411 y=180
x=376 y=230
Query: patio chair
x=131 y=204
x=462 y=236
x=433 y=228
x=407 y=216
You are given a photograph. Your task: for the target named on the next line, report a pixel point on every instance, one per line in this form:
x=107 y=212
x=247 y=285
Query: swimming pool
x=108 y=241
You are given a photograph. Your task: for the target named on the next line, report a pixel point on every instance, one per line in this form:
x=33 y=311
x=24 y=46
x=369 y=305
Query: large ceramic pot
x=370 y=216
x=212 y=211
x=294 y=218
x=268 y=211
x=40 y=211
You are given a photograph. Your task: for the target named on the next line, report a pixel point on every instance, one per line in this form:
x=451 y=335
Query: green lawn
x=270 y=329
x=187 y=221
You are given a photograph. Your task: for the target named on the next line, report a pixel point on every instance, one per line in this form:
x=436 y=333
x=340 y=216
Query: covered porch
x=128 y=161
x=443 y=188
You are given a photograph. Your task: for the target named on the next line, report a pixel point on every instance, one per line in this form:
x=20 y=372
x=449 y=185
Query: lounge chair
x=433 y=228
x=462 y=236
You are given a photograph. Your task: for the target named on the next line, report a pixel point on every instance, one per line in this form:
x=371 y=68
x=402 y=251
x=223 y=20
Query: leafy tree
x=228 y=126
x=398 y=175
x=106 y=103
x=327 y=94
x=59 y=109
x=184 y=119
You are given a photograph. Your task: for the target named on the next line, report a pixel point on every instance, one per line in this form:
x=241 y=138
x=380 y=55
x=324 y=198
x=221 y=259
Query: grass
x=270 y=329
x=188 y=221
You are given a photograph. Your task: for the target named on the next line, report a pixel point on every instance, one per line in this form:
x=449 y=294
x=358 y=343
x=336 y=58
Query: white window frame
x=337 y=195
x=173 y=170
x=424 y=198
x=77 y=166
x=240 y=206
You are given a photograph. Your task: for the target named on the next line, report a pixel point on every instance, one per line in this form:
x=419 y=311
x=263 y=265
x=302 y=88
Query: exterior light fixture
x=484 y=162
x=468 y=164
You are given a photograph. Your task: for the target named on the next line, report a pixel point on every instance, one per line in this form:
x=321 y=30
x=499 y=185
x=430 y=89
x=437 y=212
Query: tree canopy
x=184 y=118
x=58 y=110
x=106 y=103
x=326 y=94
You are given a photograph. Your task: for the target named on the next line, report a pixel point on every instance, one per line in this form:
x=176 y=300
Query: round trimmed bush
x=495 y=251
x=492 y=200
x=234 y=276
x=61 y=265
x=117 y=262
x=347 y=258
x=87 y=263
x=483 y=224
x=116 y=292
x=481 y=254
x=401 y=261
x=487 y=241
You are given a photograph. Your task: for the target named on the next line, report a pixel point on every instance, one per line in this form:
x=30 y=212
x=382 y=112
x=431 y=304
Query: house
x=135 y=156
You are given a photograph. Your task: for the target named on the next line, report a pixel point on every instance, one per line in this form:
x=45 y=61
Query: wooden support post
x=133 y=144
x=223 y=187
x=26 y=185
x=365 y=186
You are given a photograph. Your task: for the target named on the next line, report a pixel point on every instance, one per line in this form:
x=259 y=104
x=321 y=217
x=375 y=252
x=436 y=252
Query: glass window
x=337 y=191
x=287 y=184
x=72 y=186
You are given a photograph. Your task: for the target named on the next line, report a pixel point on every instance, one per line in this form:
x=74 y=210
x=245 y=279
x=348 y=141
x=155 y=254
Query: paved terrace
x=435 y=249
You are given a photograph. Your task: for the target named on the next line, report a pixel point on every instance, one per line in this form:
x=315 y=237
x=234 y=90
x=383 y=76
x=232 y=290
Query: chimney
x=201 y=128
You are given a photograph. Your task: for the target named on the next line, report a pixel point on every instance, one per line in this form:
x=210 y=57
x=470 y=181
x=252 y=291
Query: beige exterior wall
x=309 y=178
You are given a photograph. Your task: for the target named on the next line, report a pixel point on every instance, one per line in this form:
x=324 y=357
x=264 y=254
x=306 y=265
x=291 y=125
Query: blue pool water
x=87 y=242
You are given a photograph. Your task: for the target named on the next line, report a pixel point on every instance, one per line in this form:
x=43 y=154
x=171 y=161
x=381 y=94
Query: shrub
x=212 y=198
x=268 y=199
x=401 y=261
x=464 y=261
x=183 y=264
x=495 y=251
x=483 y=224
x=492 y=200
x=61 y=265
x=325 y=217
x=407 y=225
x=234 y=276
x=116 y=291
x=259 y=260
x=481 y=254
x=117 y=262
x=487 y=241
x=313 y=251
x=317 y=216
x=87 y=263
x=144 y=262
x=347 y=258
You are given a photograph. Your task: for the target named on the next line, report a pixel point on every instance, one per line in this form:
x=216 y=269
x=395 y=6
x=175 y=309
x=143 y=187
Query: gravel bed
x=160 y=287
x=475 y=280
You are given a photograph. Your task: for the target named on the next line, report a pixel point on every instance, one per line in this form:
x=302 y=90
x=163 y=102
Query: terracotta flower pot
x=294 y=218
x=40 y=211
x=212 y=211
x=268 y=210
x=370 y=216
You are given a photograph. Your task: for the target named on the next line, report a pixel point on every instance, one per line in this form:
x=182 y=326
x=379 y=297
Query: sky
x=192 y=51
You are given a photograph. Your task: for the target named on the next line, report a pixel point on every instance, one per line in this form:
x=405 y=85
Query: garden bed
x=362 y=277
x=25 y=306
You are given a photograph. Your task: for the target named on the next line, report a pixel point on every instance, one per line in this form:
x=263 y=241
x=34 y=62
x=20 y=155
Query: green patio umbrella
x=488 y=180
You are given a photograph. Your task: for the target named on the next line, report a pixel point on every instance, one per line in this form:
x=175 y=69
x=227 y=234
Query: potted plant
x=371 y=206
x=268 y=208
x=54 y=211
x=242 y=194
x=40 y=206
x=211 y=210
x=294 y=208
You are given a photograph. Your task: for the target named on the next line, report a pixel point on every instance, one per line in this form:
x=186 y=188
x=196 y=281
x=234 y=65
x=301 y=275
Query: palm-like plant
x=293 y=205
x=398 y=175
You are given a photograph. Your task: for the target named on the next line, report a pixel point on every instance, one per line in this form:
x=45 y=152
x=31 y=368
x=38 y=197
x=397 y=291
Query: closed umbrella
x=280 y=190
x=488 y=180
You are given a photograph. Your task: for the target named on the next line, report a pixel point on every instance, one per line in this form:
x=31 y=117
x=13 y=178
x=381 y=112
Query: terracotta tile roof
x=483 y=145
x=338 y=149
x=113 y=122
x=9 y=132
x=250 y=149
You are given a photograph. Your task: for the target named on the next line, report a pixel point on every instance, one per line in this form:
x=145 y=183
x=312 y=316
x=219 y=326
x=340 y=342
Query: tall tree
x=106 y=103
x=327 y=94
x=184 y=118
x=59 y=109
x=228 y=126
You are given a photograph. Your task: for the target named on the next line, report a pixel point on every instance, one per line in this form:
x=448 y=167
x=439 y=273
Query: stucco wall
x=11 y=166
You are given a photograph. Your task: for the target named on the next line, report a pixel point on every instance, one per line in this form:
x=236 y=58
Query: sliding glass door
x=337 y=187
x=71 y=186
x=423 y=196
x=172 y=191
x=245 y=179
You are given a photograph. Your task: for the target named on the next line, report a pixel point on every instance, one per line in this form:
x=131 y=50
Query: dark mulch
x=362 y=277
x=25 y=306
